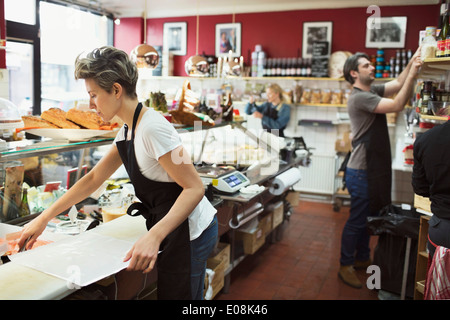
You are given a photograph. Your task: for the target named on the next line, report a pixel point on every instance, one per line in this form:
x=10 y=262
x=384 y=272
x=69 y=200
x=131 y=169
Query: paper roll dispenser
x=284 y=181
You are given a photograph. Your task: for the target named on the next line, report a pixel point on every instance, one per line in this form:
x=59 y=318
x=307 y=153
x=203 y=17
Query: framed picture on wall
x=385 y=32
x=228 y=37
x=174 y=37
x=314 y=32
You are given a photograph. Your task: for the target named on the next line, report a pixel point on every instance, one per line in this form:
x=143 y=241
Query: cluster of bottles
x=394 y=67
x=429 y=92
x=287 y=67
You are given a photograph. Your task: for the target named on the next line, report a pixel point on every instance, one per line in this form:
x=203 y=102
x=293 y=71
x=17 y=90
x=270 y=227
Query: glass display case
x=46 y=168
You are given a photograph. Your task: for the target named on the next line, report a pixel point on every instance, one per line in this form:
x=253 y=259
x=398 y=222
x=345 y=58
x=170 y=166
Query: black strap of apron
x=135 y=118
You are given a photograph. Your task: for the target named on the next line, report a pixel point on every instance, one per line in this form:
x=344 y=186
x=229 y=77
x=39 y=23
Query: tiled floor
x=302 y=265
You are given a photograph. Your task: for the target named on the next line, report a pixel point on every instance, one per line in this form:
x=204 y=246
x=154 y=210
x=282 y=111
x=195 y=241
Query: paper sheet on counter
x=80 y=260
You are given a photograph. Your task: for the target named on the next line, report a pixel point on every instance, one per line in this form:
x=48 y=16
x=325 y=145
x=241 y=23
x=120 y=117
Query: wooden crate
x=252 y=240
x=218 y=280
x=222 y=253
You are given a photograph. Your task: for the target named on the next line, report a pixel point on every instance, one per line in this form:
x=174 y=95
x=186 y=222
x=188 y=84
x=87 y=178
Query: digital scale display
x=234 y=179
x=223 y=179
x=231 y=182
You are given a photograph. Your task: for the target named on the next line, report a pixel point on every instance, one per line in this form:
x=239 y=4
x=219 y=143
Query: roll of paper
x=284 y=181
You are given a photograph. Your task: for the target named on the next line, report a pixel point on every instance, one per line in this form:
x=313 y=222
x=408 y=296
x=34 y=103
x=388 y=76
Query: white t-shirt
x=155 y=137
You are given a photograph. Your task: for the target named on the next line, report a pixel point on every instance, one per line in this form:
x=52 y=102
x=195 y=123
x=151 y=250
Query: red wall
x=279 y=33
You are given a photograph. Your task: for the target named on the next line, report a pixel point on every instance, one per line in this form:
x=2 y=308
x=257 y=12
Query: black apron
x=378 y=158
x=174 y=262
x=273 y=114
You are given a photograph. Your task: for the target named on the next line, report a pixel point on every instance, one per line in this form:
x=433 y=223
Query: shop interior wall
x=279 y=33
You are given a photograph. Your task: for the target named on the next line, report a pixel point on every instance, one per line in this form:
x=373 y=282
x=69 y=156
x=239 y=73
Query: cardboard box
x=293 y=197
x=278 y=213
x=391 y=117
x=422 y=203
x=252 y=240
x=344 y=144
x=266 y=222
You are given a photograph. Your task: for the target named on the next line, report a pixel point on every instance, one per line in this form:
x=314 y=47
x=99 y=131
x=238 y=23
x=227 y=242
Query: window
x=19 y=62
x=62 y=40
x=41 y=50
x=23 y=11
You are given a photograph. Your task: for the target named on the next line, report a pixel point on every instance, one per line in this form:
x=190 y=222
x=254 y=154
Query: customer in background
x=368 y=172
x=274 y=113
x=182 y=225
x=431 y=179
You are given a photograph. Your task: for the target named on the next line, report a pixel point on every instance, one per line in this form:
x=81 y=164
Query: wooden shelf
x=434 y=118
x=422 y=258
x=435 y=67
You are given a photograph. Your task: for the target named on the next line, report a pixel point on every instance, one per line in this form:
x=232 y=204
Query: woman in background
x=275 y=113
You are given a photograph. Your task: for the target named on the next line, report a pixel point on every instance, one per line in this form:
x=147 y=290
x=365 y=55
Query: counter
x=21 y=282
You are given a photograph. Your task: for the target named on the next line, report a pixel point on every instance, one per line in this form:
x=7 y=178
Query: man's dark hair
x=352 y=64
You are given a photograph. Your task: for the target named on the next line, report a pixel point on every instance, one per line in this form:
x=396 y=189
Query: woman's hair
x=276 y=89
x=352 y=63
x=106 y=66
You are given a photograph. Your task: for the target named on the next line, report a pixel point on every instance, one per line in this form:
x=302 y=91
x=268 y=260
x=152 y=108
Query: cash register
x=224 y=179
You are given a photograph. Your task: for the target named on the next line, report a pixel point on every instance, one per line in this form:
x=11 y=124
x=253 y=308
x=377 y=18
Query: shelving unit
x=422 y=258
x=435 y=68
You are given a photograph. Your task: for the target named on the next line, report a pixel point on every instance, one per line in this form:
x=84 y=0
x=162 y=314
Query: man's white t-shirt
x=155 y=137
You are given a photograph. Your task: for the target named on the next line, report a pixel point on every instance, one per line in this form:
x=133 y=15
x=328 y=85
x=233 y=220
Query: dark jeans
x=355 y=238
x=200 y=251
x=439 y=233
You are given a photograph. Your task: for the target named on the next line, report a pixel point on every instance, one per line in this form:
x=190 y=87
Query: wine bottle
x=24 y=207
x=442 y=38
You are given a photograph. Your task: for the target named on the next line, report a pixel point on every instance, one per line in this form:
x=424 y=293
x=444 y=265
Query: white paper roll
x=285 y=180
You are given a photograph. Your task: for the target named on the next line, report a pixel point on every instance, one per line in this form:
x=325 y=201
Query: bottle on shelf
x=283 y=67
x=308 y=67
x=292 y=67
x=442 y=37
x=426 y=96
x=298 y=67
x=24 y=207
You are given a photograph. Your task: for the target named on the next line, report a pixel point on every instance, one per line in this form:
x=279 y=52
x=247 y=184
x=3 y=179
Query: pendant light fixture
x=197 y=66
x=144 y=55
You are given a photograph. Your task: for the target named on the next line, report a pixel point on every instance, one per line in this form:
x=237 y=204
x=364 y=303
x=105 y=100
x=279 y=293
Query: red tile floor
x=303 y=265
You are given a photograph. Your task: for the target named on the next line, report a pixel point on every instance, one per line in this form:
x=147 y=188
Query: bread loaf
x=58 y=117
x=87 y=119
x=37 y=122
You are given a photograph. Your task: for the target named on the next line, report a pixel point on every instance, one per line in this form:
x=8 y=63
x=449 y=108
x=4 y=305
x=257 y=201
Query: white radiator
x=319 y=177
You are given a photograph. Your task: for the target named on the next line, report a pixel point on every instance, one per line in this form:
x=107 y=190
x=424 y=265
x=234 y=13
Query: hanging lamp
x=144 y=55
x=197 y=66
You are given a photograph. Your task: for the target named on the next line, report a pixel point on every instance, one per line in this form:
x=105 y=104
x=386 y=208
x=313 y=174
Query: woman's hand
x=143 y=254
x=32 y=230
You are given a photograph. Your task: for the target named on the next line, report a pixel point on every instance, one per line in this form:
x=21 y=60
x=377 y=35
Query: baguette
x=37 y=122
x=58 y=117
x=87 y=119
